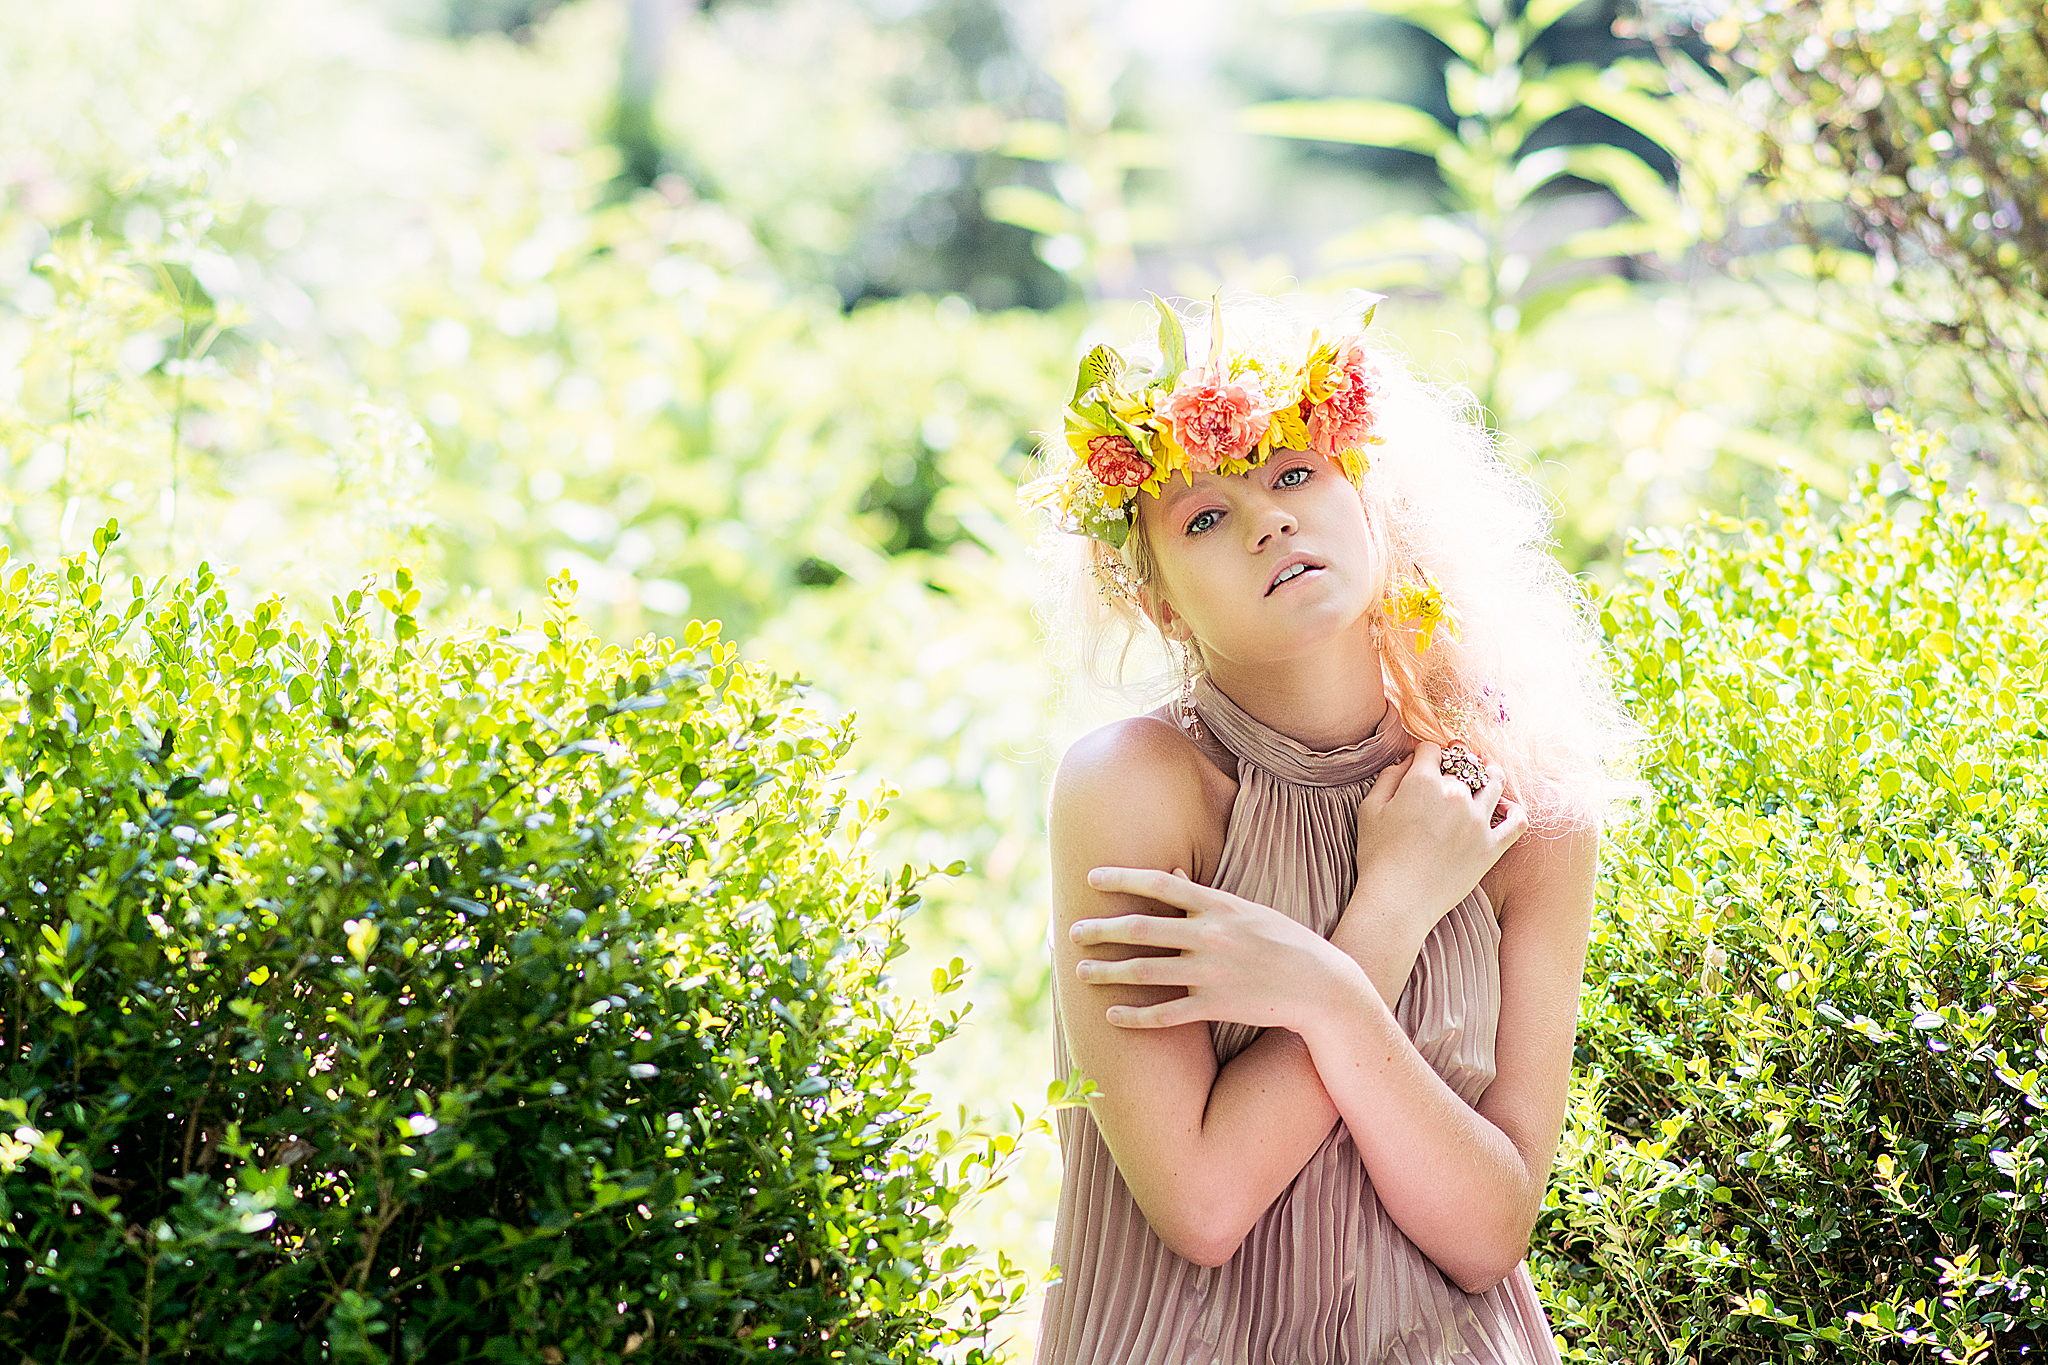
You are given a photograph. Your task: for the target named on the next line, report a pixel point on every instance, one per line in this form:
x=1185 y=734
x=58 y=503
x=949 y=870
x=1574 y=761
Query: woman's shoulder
x=1143 y=763
x=1138 y=750
x=1548 y=871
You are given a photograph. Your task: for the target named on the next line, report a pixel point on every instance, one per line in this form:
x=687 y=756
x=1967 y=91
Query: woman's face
x=1265 y=565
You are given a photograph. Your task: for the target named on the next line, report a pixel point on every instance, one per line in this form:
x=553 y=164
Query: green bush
x=370 y=998
x=1808 y=1115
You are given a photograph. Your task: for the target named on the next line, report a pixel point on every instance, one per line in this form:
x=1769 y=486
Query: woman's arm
x=1206 y=1152
x=1464 y=1186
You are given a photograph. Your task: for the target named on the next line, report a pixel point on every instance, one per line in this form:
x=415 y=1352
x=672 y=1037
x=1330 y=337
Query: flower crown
x=1129 y=432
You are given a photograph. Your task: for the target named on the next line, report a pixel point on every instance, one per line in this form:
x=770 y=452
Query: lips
x=1293 y=567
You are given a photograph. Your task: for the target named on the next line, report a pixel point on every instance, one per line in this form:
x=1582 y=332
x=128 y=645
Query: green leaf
x=1541 y=14
x=1372 y=123
x=1623 y=92
x=1034 y=139
x=1639 y=188
x=1098 y=366
x=1173 y=343
x=1034 y=210
x=1541 y=306
x=1538 y=99
x=1454 y=25
x=1629 y=238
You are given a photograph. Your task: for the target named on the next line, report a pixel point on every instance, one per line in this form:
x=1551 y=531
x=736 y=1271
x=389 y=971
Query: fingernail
x=1095 y=876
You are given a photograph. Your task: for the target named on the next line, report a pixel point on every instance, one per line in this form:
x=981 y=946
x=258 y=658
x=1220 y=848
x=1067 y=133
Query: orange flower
x=1216 y=419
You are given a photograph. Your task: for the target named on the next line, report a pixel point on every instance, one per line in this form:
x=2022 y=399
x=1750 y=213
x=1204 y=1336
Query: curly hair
x=1524 y=681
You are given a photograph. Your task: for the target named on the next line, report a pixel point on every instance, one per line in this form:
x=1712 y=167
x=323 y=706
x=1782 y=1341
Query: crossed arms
x=1144 y=957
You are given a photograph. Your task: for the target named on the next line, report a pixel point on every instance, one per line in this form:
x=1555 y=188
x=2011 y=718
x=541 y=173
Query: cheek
x=1168 y=557
x=1160 y=558
x=1373 y=545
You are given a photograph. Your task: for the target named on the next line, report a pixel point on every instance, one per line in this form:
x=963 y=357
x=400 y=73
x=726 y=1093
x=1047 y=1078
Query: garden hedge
x=366 y=997
x=1808 y=1112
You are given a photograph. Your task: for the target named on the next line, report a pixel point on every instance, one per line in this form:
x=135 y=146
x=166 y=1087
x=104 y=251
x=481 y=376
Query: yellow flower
x=1168 y=459
x=1321 y=368
x=1135 y=408
x=1286 y=431
x=1278 y=377
x=1420 y=602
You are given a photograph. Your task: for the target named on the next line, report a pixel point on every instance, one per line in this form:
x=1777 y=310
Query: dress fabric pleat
x=1324 y=1276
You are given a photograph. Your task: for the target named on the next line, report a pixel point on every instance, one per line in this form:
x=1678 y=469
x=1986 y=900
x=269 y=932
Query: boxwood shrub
x=368 y=997
x=1808 y=1121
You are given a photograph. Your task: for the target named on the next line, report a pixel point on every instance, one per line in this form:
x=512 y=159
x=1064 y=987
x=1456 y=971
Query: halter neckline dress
x=1324 y=1276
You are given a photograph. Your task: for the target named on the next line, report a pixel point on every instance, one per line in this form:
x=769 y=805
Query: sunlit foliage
x=501 y=995
x=1807 y=1121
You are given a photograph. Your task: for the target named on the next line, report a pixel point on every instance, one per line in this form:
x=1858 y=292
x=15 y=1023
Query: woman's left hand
x=1239 y=961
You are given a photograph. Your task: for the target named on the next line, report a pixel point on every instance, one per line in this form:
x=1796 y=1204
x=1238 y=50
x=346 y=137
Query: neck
x=1324 y=700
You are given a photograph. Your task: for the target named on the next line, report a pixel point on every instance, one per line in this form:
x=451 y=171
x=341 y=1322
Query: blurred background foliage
x=749 y=309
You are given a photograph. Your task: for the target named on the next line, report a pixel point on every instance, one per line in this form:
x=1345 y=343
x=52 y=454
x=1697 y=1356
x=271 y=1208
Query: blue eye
x=1292 y=478
x=1202 y=521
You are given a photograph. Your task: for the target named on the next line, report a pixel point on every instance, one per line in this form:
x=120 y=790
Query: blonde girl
x=1320 y=919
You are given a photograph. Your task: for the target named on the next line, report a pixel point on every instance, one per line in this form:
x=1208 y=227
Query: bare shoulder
x=1139 y=760
x=1547 y=875
x=1139 y=793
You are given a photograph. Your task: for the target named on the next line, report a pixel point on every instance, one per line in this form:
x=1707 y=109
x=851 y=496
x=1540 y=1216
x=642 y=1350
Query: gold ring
x=1461 y=763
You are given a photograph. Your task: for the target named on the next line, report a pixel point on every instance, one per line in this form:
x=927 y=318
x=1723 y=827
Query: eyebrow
x=1175 y=492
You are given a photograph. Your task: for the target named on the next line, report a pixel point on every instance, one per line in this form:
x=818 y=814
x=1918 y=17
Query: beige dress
x=1324 y=1275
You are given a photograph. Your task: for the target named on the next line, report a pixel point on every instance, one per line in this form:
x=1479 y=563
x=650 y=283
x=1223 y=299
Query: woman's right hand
x=1424 y=841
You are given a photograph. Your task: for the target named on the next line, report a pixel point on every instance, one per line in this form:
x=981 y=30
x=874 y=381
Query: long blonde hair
x=1524 y=681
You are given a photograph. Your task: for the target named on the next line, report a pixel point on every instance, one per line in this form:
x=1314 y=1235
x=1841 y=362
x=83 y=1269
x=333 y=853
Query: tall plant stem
x=148 y=1303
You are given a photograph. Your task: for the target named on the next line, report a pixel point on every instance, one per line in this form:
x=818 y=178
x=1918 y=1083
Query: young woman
x=1320 y=921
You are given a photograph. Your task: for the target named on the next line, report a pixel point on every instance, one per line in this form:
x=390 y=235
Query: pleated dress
x=1324 y=1276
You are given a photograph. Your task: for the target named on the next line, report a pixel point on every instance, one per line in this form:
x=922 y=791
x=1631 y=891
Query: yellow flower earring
x=1418 y=601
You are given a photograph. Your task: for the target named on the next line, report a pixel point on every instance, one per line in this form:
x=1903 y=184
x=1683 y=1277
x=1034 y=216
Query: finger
x=1489 y=797
x=1135 y=971
x=1167 y=1014
x=1389 y=780
x=1510 y=822
x=1165 y=887
x=1147 y=931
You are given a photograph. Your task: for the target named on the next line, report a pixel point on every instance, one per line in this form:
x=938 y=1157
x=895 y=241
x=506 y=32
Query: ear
x=1168 y=622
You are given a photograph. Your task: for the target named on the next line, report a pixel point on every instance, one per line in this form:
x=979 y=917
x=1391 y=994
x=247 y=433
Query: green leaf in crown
x=1173 y=344
x=1100 y=366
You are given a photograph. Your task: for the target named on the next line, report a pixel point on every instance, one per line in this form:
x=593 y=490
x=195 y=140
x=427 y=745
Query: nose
x=1269 y=523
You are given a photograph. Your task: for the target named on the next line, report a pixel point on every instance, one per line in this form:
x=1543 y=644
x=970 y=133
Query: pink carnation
x=1114 y=461
x=1216 y=421
x=1344 y=420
